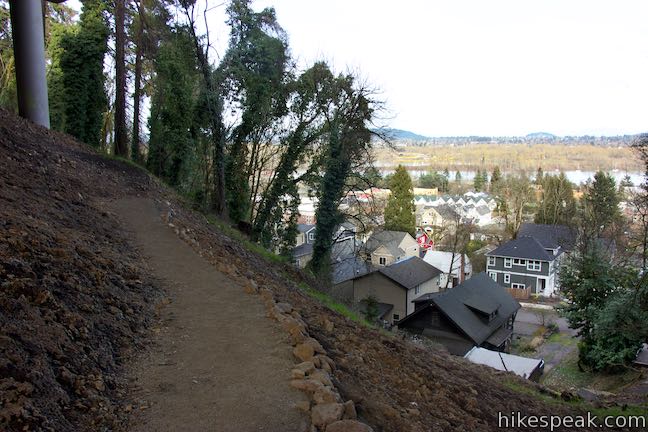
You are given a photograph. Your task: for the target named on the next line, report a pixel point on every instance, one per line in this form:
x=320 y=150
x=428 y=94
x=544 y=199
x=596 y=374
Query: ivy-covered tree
x=399 y=212
x=557 y=206
x=254 y=71
x=81 y=63
x=348 y=140
x=172 y=123
x=310 y=96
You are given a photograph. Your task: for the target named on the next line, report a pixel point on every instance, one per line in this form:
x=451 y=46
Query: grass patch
x=237 y=235
x=567 y=375
x=563 y=339
x=334 y=305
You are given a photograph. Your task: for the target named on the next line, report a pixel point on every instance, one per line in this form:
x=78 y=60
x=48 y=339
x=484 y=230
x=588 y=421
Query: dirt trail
x=217 y=363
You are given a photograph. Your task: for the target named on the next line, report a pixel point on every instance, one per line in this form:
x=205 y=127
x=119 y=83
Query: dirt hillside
x=77 y=302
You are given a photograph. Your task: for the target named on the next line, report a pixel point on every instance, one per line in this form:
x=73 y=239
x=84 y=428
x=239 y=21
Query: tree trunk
x=137 y=93
x=121 y=146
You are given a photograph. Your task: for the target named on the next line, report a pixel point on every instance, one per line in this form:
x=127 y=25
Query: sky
x=475 y=67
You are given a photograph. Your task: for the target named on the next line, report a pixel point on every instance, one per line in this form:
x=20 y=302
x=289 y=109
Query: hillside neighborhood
x=424 y=285
x=209 y=220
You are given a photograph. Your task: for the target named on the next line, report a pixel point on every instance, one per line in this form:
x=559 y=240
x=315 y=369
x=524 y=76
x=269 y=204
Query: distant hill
x=541 y=135
x=402 y=135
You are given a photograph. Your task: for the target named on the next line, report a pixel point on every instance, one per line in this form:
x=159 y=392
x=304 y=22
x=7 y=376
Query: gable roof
x=410 y=272
x=523 y=247
x=460 y=302
x=302 y=228
x=447 y=212
x=483 y=210
x=349 y=267
x=550 y=236
x=390 y=239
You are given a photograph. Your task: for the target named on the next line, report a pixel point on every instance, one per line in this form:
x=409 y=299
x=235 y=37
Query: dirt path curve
x=218 y=363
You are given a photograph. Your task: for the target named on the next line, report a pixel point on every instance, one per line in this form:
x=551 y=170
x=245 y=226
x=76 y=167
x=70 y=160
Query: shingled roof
x=550 y=236
x=523 y=247
x=389 y=239
x=465 y=304
x=410 y=272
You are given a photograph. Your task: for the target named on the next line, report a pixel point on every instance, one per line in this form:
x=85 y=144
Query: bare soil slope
x=76 y=300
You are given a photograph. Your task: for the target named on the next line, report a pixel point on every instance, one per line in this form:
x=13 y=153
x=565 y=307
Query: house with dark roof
x=478 y=312
x=551 y=237
x=386 y=247
x=344 y=243
x=396 y=285
x=525 y=266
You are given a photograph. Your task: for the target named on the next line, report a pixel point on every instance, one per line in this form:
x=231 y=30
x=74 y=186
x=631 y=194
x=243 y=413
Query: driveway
x=558 y=346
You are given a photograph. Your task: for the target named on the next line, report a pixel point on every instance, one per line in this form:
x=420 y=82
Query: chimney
x=462 y=268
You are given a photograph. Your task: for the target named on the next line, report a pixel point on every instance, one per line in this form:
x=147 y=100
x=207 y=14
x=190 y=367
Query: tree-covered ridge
x=239 y=135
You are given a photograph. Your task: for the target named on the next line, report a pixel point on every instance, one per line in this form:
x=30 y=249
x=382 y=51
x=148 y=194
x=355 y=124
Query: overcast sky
x=475 y=67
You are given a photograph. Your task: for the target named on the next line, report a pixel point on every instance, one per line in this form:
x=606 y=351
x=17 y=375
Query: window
x=491 y=261
x=518 y=261
x=417 y=290
x=311 y=236
x=507 y=278
x=396 y=317
x=382 y=261
x=507 y=263
x=517 y=285
x=493 y=276
x=534 y=265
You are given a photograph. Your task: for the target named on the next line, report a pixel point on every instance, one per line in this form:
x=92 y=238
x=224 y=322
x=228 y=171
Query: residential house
x=455 y=267
x=344 y=243
x=525 y=267
x=551 y=237
x=396 y=285
x=477 y=312
x=386 y=247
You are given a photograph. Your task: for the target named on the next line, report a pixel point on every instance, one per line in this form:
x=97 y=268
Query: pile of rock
x=313 y=371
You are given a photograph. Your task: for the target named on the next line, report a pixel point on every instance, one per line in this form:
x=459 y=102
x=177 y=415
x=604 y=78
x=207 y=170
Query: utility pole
x=29 y=54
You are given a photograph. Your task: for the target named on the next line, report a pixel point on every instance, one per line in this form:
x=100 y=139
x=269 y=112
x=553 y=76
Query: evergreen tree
x=399 y=212
x=446 y=174
x=457 y=177
x=558 y=205
x=608 y=305
x=433 y=180
x=478 y=182
x=496 y=180
x=81 y=64
x=601 y=203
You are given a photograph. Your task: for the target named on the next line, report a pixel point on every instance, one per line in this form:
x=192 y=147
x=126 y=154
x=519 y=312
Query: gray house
x=525 y=266
x=395 y=286
x=478 y=312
